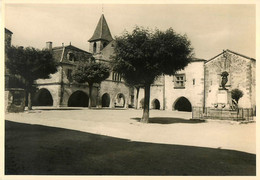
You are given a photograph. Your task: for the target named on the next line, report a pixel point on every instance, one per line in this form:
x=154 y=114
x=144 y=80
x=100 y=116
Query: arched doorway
x=182 y=104
x=155 y=104
x=105 y=100
x=43 y=98
x=78 y=99
x=141 y=103
x=120 y=100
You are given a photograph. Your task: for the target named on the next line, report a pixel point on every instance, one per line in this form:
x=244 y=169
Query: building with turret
x=61 y=91
x=200 y=84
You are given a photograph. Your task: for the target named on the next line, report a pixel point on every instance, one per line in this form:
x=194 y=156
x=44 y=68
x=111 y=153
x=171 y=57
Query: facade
x=61 y=91
x=186 y=88
x=241 y=75
x=197 y=85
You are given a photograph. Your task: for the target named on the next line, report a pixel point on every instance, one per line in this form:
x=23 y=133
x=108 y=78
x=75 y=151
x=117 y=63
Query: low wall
x=14 y=100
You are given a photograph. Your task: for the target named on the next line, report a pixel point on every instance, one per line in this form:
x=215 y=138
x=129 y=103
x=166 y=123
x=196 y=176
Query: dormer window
x=71 y=56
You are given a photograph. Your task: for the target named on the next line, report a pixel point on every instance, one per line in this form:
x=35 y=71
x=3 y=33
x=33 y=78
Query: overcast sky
x=211 y=28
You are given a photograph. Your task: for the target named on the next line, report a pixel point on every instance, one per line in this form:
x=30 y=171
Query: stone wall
x=14 y=100
x=156 y=93
x=241 y=76
x=194 y=86
x=113 y=89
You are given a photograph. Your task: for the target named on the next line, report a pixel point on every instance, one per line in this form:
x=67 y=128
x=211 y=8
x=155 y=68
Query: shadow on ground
x=81 y=108
x=41 y=150
x=170 y=120
x=55 y=109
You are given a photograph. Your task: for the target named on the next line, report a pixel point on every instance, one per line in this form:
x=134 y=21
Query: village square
x=124 y=107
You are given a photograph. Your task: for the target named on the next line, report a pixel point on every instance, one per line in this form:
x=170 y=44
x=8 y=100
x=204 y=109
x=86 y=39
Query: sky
x=210 y=28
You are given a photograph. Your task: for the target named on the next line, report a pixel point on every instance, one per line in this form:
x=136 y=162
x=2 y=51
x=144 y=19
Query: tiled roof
x=58 y=52
x=71 y=47
x=198 y=60
x=102 y=31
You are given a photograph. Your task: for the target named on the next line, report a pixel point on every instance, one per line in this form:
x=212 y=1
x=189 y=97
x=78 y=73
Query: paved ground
x=166 y=127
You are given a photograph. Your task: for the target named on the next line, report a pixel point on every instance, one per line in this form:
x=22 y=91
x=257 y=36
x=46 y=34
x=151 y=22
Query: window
x=69 y=74
x=179 y=81
x=116 y=77
x=94 y=47
x=70 y=56
x=193 y=82
x=104 y=44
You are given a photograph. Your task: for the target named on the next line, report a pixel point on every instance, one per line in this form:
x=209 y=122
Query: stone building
x=241 y=75
x=113 y=91
x=60 y=90
x=197 y=85
x=186 y=88
x=180 y=91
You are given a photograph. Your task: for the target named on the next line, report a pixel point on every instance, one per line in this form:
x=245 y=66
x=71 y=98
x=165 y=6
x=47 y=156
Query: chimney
x=49 y=45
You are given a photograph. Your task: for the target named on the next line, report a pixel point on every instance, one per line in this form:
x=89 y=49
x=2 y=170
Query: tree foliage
x=236 y=94
x=30 y=64
x=90 y=72
x=143 y=55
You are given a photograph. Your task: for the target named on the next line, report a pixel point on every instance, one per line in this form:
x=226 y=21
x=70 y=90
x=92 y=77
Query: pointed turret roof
x=102 y=31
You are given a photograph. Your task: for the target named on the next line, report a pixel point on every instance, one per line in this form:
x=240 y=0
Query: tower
x=101 y=36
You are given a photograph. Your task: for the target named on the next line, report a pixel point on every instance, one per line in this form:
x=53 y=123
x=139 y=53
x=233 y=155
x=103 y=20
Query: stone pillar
x=223 y=98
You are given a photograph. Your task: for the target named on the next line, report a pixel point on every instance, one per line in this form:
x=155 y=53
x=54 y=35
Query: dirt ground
x=166 y=127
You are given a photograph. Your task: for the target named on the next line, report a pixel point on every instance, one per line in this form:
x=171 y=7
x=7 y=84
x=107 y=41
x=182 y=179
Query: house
x=200 y=84
x=61 y=91
x=241 y=75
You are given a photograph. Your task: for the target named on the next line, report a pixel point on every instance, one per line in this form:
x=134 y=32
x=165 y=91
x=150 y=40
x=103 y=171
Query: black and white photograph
x=129 y=89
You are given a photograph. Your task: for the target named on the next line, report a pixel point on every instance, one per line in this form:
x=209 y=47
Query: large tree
x=30 y=64
x=90 y=72
x=143 y=55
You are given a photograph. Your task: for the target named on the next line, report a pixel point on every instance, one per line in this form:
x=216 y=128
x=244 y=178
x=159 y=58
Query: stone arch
x=78 y=99
x=182 y=104
x=155 y=104
x=141 y=103
x=105 y=100
x=120 y=100
x=43 y=97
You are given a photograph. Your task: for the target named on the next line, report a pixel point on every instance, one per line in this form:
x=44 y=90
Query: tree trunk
x=145 y=118
x=29 y=100
x=90 y=95
x=136 y=98
x=29 y=94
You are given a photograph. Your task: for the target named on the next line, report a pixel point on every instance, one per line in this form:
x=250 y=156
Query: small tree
x=236 y=94
x=90 y=72
x=142 y=56
x=30 y=64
